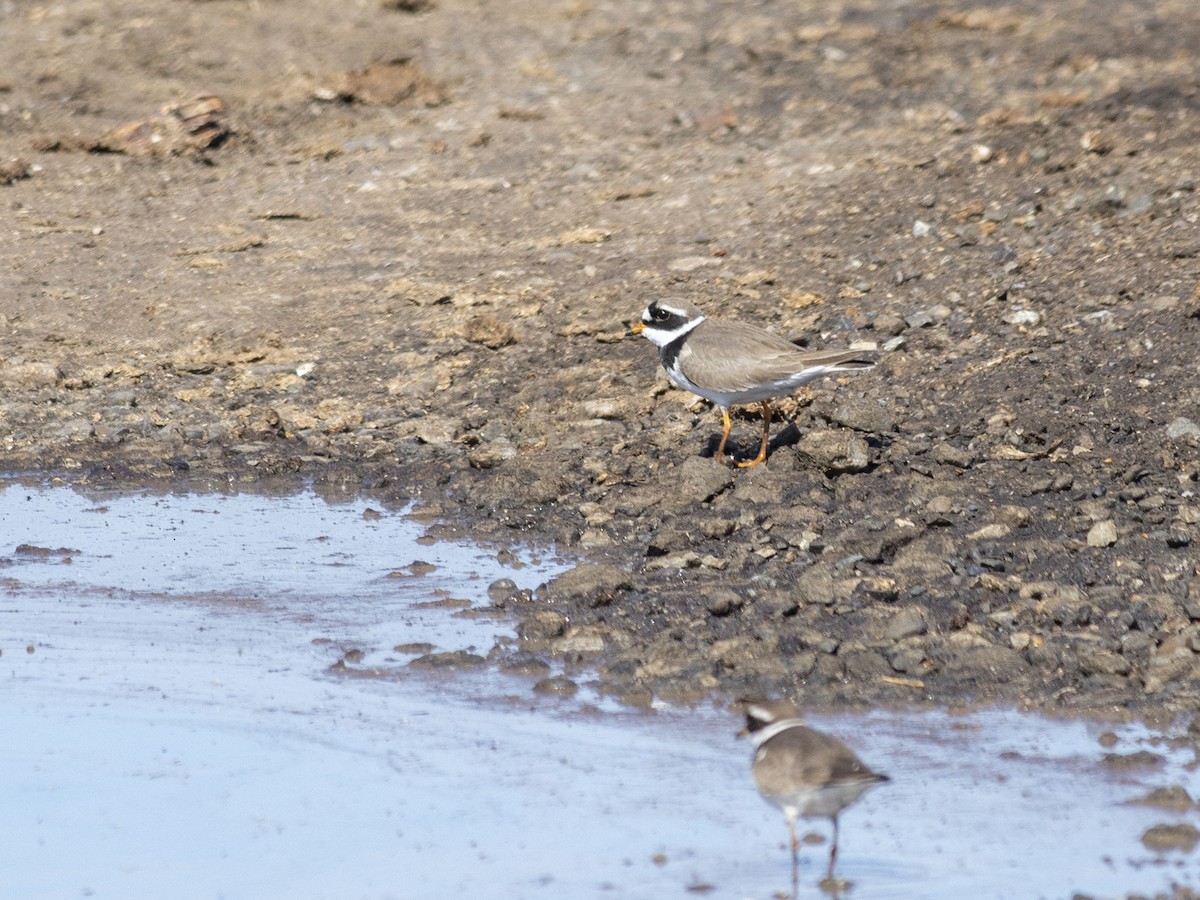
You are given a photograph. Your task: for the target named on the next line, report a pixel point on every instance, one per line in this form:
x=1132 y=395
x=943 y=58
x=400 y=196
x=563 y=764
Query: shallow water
x=173 y=730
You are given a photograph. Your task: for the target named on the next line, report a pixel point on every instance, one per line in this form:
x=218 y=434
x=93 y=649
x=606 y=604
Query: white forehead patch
x=758 y=712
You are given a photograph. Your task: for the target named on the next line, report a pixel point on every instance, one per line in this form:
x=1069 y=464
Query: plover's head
x=770 y=712
x=666 y=320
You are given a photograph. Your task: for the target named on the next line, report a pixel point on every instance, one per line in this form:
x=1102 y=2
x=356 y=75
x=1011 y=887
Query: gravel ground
x=397 y=245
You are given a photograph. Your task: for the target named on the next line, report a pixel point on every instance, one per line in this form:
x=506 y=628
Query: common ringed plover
x=804 y=772
x=732 y=363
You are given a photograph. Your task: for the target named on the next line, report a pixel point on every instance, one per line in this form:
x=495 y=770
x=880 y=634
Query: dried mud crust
x=396 y=246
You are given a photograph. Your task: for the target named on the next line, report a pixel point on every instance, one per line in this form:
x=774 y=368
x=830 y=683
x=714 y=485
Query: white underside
x=824 y=802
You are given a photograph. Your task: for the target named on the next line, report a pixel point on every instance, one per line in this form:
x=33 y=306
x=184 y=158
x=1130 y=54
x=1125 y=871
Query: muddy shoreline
x=407 y=263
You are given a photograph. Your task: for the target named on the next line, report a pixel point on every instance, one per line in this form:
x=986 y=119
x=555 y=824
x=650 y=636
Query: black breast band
x=670 y=353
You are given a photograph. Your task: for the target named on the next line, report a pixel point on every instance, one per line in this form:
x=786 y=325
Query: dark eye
x=659 y=315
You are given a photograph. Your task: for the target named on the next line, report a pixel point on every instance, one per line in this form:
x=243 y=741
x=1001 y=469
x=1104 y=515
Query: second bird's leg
x=795 y=841
x=833 y=849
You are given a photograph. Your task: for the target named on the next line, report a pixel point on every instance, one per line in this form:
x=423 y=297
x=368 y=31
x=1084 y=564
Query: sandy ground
x=398 y=245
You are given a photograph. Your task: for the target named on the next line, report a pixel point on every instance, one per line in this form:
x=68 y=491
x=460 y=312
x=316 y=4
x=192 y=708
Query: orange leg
x=724 y=435
x=762 y=451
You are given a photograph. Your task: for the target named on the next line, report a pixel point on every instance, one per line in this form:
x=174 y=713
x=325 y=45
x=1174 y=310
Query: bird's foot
x=834 y=886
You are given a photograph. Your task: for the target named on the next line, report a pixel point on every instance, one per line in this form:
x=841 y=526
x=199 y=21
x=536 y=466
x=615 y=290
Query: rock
x=1103 y=662
x=490 y=332
x=908 y=622
x=948 y=454
x=605 y=409
x=1004 y=618
x=985 y=665
x=501 y=589
x=982 y=153
x=907 y=659
x=13 y=169
x=408 y=6
x=490 y=454
x=699 y=480
x=664 y=660
x=525 y=664
x=835 y=452
x=731 y=652
x=504 y=593
x=36 y=374
x=815 y=587
x=1072 y=612
x=455 y=659
x=863 y=415
x=801 y=664
x=889 y=323
x=542 y=626
x=864 y=664
x=874 y=541
x=1182 y=837
x=1174 y=658
x=685 y=559
x=919 y=319
x=691 y=263
x=436 y=430
x=940 y=507
x=879 y=587
x=1178 y=537
x=556 y=686
x=1102 y=534
x=415 y=647
x=992 y=532
x=1020 y=641
x=1183 y=428
x=1137 y=647
x=1174 y=797
x=582 y=640
x=1139 y=759
x=722 y=602
x=389 y=82
x=1023 y=317
x=1013 y=516
x=75 y=430
x=194 y=124
x=594 y=583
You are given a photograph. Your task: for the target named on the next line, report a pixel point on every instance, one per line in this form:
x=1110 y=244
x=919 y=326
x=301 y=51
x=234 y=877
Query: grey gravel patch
x=1183 y=428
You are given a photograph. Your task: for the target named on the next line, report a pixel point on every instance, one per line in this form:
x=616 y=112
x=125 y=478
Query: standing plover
x=804 y=772
x=730 y=362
